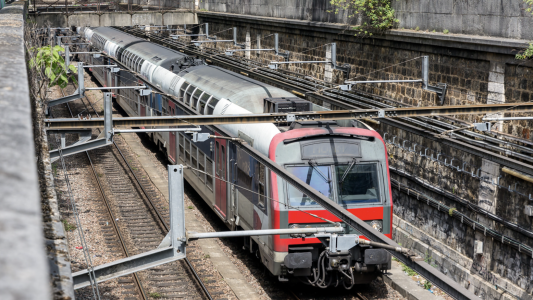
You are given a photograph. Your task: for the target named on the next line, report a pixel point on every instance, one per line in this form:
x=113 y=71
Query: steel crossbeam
x=290 y=117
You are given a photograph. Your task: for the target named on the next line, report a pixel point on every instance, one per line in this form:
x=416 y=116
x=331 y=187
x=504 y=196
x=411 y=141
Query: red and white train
x=345 y=161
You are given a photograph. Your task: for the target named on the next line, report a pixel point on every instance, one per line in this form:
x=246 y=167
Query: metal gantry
x=291 y=117
x=440 y=89
x=333 y=61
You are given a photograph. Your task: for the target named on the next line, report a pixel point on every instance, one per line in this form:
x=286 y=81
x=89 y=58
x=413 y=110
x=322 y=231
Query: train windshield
x=319 y=177
x=357 y=183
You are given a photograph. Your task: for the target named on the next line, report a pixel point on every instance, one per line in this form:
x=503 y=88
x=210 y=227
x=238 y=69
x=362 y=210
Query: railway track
x=508 y=150
x=134 y=220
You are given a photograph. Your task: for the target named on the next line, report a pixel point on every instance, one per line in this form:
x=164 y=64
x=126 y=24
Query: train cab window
x=319 y=177
x=182 y=92
x=358 y=183
x=211 y=105
x=195 y=98
x=203 y=101
x=209 y=171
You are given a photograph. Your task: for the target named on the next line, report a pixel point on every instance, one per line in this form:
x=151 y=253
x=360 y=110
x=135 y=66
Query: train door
x=232 y=177
x=172 y=134
x=220 y=181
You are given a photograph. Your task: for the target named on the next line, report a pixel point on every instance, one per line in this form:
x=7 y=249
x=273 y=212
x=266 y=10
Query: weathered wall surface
x=115 y=19
x=23 y=265
x=310 y=10
x=499 y=18
x=480 y=70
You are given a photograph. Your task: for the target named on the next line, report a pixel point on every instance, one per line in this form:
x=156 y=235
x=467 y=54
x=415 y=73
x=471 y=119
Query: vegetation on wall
x=528 y=52
x=530 y=6
x=49 y=60
x=378 y=15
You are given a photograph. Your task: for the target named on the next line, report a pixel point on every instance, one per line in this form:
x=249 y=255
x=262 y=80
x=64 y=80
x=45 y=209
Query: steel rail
x=154 y=208
x=163 y=223
x=299 y=116
x=109 y=210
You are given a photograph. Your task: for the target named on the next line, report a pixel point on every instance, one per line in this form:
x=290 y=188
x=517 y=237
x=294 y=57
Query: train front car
x=348 y=165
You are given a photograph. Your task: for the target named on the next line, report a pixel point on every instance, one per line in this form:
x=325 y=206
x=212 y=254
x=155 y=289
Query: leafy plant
x=446 y=31
x=68 y=226
x=417 y=28
x=427 y=285
x=526 y=53
x=530 y=4
x=378 y=14
x=48 y=58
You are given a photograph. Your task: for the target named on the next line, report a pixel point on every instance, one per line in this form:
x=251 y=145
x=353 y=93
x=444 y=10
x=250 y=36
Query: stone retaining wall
x=477 y=72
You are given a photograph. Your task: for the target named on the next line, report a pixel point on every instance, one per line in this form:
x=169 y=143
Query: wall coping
x=24 y=272
x=461 y=41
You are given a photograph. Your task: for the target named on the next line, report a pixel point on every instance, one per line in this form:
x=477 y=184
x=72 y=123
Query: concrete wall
x=310 y=10
x=480 y=70
x=23 y=267
x=115 y=19
x=500 y=18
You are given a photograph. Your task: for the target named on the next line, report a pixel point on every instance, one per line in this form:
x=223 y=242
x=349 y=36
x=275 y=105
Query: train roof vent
x=313 y=124
x=286 y=105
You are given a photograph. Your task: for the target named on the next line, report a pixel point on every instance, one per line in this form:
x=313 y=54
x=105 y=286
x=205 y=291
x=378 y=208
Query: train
x=344 y=160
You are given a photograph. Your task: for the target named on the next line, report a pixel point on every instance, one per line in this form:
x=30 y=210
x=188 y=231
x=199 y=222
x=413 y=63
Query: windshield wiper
x=350 y=166
x=314 y=165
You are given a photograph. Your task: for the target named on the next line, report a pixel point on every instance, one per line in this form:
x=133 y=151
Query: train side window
x=194 y=158
x=203 y=102
x=201 y=165
x=195 y=98
x=187 y=151
x=211 y=105
x=209 y=171
x=260 y=178
x=190 y=92
x=182 y=92
x=181 y=139
x=244 y=179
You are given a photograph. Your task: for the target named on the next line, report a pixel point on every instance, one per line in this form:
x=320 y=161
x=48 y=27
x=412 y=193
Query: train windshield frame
x=347 y=184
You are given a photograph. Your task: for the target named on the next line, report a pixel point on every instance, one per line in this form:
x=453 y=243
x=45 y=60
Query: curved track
x=135 y=224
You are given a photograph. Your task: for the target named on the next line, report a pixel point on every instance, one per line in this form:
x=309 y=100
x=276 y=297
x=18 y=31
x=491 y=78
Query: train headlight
x=294 y=226
x=377 y=225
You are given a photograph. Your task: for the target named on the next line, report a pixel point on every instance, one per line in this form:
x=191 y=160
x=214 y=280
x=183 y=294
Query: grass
x=54 y=170
x=207 y=256
x=446 y=31
x=155 y=295
x=191 y=207
x=417 y=28
x=408 y=270
x=68 y=226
